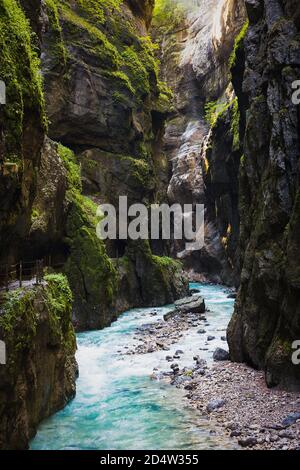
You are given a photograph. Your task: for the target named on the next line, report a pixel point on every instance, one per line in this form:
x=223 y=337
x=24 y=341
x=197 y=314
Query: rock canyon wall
x=196 y=40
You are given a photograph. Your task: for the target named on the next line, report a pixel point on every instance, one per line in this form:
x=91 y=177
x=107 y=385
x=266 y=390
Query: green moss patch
x=20 y=70
x=91 y=274
x=238 y=44
x=24 y=310
x=126 y=56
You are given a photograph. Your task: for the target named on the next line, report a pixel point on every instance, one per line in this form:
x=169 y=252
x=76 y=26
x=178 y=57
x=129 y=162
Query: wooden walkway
x=16 y=275
x=24 y=274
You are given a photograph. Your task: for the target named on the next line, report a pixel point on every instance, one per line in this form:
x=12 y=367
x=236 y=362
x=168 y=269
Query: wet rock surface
x=39 y=376
x=194 y=56
x=163 y=334
x=267 y=314
x=221 y=355
x=232 y=396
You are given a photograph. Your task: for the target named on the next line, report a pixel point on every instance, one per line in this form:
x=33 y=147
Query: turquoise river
x=118 y=406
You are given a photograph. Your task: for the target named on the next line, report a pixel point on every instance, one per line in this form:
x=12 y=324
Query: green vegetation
x=238 y=44
x=58 y=49
x=20 y=70
x=19 y=320
x=166 y=97
x=97 y=9
x=169 y=14
x=21 y=317
x=235 y=125
x=161 y=274
x=58 y=300
x=92 y=276
x=73 y=171
x=215 y=110
x=127 y=57
x=35 y=215
x=166 y=262
x=138 y=171
x=124 y=80
x=136 y=70
x=98 y=42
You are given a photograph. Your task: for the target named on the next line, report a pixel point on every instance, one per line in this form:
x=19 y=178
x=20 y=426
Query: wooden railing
x=10 y=274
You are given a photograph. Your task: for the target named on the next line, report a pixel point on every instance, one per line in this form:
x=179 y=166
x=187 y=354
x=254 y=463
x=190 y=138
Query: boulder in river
x=194 y=304
x=194 y=291
x=221 y=355
x=211 y=338
x=231 y=296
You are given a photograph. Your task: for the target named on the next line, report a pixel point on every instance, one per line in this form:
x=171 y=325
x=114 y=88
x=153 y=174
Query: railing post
x=39 y=269
x=37 y=272
x=42 y=270
x=21 y=274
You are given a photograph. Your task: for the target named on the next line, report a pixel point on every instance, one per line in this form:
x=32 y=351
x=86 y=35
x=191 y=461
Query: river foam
x=118 y=406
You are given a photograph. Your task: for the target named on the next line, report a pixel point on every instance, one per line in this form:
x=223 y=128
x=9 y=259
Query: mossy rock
x=91 y=274
x=39 y=376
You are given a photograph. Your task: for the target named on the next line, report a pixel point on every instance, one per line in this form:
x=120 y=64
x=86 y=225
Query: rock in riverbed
x=194 y=291
x=248 y=441
x=214 y=405
x=290 y=420
x=221 y=355
x=194 y=304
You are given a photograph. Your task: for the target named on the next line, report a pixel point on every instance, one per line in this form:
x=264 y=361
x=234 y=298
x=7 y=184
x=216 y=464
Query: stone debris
x=232 y=396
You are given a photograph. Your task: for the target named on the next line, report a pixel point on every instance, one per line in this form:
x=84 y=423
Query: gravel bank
x=233 y=396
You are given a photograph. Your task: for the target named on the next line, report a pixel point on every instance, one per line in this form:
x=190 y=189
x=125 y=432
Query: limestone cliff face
x=267 y=314
x=103 y=100
x=196 y=40
x=35 y=324
x=39 y=376
x=22 y=128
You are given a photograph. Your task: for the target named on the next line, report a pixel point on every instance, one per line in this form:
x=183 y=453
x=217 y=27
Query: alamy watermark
x=157 y=222
x=296 y=353
x=2 y=92
x=296 y=94
x=2 y=353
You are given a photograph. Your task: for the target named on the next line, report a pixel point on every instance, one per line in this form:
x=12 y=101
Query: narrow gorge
x=166 y=102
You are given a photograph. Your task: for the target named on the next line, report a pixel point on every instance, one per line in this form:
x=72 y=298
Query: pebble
x=214 y=405
x=249 y=441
